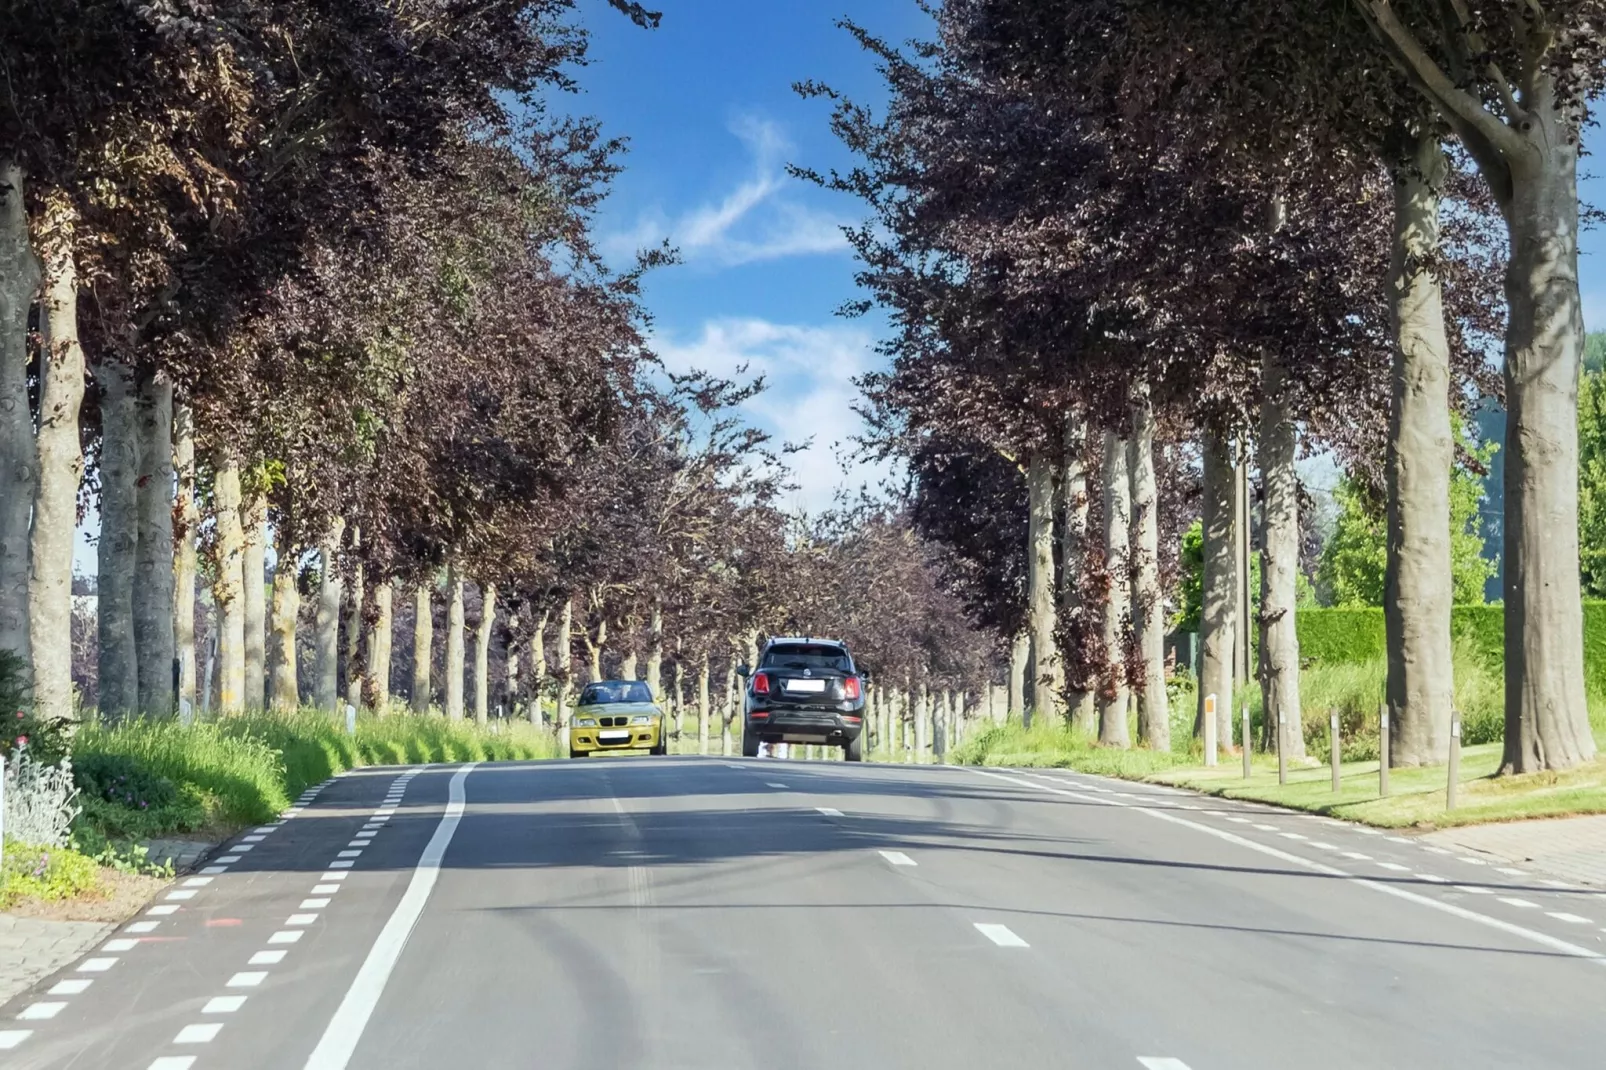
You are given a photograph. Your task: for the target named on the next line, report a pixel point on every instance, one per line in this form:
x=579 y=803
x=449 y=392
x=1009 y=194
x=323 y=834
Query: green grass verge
x=243 y=770
x=28 y=872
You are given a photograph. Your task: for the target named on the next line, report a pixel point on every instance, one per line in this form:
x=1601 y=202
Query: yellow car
x=617 y=715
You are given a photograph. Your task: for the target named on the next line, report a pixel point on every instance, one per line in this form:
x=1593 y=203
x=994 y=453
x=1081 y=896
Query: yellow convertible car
x=617 y=715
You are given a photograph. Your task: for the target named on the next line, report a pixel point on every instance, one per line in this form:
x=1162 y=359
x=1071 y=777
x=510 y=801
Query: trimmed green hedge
x=1356 y=636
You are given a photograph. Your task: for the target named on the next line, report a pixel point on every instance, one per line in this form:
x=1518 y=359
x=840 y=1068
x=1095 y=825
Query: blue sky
x=707 y=105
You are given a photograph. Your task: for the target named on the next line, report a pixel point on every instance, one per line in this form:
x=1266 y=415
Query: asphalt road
x=709 y=914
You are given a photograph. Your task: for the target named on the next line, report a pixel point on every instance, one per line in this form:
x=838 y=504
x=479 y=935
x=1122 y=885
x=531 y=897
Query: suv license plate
x=816 y=686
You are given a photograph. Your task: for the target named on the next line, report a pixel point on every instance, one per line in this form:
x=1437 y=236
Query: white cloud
x=810 y=395
x=756 y=220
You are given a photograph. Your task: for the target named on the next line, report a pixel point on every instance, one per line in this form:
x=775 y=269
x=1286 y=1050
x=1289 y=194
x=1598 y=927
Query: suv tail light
x=850 y=687
x=761 y=684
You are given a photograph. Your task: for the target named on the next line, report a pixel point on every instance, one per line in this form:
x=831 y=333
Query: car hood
x=616 y=709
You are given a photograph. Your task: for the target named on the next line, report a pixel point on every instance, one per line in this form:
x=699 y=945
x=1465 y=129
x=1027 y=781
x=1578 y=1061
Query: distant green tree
x=1351 y=571
x=1190 y=582
x=1595 y=351
x=1592 y=478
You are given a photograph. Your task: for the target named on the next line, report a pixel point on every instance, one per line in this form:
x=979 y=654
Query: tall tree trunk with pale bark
x=655 y=647
x=564 y=657
x=228 y=586
x=482 y=654
x=423 y=643
x=538 y=666
x=283 y=691
x=1079 y=697
x=1418 y=591
x=60 y=467
x=1113 y=696
x=1019 y=665
x=186 y=523
x=19 y=279
x=356 y=594
x=1218 y=625
x=118 y=677
x=254 y=519
x=326 y=638
x=379 y=642
x=154 y=562
x=454 y=644
x=594 y=648
x=1045 y=670
x=702 y=705
x=728 y=713
x=1148 y=598
x=1279 y=560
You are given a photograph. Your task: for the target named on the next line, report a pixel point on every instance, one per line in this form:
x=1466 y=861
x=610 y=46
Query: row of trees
x=315 y=285
x=1127 y=243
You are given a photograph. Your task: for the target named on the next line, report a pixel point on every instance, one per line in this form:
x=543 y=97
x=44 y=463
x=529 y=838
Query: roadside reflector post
x=1333 y=744
x=1282 y=755
x=1248 y=748
x=351 y=719
x=1455 y=760
x=1383 y=750
x=1210 y=729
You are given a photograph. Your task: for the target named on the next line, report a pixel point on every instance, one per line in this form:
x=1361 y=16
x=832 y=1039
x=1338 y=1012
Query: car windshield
x=806 y=656
x=611 y=691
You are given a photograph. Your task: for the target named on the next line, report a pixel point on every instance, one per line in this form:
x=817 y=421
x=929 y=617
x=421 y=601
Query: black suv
x=804 y=690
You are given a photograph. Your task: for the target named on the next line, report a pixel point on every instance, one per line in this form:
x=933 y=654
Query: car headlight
x=585 y=722
x=641 y=718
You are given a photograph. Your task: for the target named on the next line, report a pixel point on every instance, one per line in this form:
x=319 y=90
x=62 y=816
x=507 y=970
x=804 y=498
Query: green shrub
x=46 y=873
x=119 y=779
x=1345 y=636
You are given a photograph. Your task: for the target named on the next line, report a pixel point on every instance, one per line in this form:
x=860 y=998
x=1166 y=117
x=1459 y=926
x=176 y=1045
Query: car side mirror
x=744 y=669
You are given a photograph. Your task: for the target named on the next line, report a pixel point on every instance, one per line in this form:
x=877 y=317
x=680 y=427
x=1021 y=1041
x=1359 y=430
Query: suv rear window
x=806 y=656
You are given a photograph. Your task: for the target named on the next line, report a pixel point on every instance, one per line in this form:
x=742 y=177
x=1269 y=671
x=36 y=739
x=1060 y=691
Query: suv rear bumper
x=804 y=725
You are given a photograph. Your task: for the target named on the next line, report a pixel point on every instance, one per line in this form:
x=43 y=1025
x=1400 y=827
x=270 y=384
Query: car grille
x=613 y=722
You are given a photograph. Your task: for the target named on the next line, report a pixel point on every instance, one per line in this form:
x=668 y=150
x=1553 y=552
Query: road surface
x=707 y=913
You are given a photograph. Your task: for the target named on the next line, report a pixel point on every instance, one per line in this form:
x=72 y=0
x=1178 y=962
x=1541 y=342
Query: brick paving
x=32 y=948
x=1569 y=848
x=183 y=854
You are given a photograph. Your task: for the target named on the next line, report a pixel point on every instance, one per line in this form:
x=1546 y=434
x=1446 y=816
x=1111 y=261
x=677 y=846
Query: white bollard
x=351 y=719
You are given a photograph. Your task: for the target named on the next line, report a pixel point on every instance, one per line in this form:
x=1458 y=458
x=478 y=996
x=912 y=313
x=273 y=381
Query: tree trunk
x=154 y=562
x=1421 y=450
x=680 y=701
x=355 y=595
x=60 y=470
x=186 y=522
x=655 y=648
x=627 y=669
x=1079 y=696
x=19 y=279
x=379 y=644
x=702 y=705
x=283 y=691
x=1044 y=666
x=729 y=713
x=1547 y=720
x=594 y=649
x=922 y=711
x=1279 y=562
x=538 y=666
x=1148 y=598
x=228 y=586
x=1218 y=626
x=1019 y=665
x=254 y=519
x=423 y=644
x=454 y=644
x=1113 y=695
x=326 y=695
x=565 y=663
x=515 y=670
x=119 y=539
x=482 y=654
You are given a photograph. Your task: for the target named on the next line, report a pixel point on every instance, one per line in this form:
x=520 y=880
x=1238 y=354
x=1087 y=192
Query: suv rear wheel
x=853 y=749
x=750 y=744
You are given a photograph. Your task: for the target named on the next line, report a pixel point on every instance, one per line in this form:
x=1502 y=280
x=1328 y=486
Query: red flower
x=22 y=741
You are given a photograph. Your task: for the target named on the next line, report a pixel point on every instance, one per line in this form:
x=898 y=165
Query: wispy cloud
x=759 y=219
x=810 y=372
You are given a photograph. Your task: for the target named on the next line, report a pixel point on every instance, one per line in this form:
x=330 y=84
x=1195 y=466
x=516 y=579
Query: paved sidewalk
x=1571 y=848
x=32 y=948
x=183 y=855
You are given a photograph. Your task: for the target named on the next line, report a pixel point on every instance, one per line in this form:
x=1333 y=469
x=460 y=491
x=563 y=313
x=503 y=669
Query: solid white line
x=897 y=858
x=201 y=1033
x=1522 y=903
x=1000 y=935
x=35 y=1011
x=1531 y=935
x=1153 y=1062
x=1571 y=919
x=70 y=988
x=345 y=1029
x=10 y=1038
x=223 y=1004
x=829 y=811
x=266 y=958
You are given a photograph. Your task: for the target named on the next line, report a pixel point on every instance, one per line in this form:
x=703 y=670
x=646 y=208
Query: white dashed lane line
x=1522 y=904
x=1000 y=934
x=1161 y=1062
x=829 y=811
x=897 y=858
